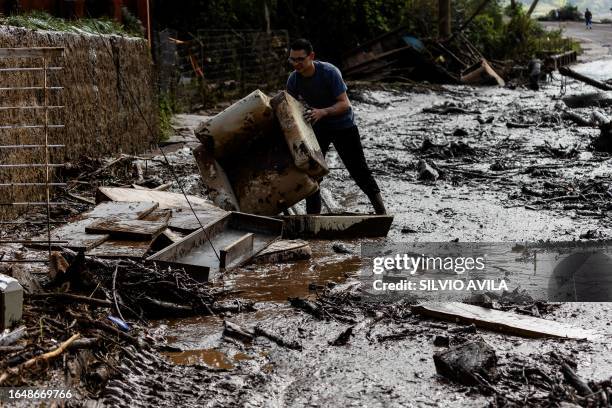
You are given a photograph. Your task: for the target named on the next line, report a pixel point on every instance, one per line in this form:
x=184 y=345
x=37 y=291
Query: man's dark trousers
x=348 y=145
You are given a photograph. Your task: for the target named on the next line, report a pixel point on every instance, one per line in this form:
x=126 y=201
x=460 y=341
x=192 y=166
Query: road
x=595 y=43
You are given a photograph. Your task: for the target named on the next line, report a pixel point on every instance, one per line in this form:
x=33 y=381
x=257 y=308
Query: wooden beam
x=236 y=250
x=565 y=71
x=501 y=321
x=444 y=18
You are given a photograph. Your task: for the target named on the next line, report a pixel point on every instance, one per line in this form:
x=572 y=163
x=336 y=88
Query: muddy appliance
x=259 y=156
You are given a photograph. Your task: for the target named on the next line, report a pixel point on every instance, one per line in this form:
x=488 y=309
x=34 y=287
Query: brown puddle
x=275 y=283
x=211 y=357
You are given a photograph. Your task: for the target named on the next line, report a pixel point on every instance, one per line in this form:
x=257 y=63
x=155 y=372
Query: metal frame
x=39 y=55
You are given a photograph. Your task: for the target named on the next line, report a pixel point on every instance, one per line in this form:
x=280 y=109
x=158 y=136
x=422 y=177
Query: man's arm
x=341 y=106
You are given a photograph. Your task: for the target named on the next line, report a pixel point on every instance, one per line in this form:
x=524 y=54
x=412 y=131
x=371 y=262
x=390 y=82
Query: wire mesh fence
x=219 y=63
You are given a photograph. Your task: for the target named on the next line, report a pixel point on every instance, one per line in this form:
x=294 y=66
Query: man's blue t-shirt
x=320 y=91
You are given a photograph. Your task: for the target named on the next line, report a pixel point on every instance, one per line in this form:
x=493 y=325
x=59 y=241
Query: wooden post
x=444 y=18
x=117 y=9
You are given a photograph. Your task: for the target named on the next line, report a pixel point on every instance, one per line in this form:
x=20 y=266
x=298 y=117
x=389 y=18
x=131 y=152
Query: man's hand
x=315 y=115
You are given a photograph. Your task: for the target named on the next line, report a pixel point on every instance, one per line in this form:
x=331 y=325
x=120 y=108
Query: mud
x=509 y=169
x=498 y=182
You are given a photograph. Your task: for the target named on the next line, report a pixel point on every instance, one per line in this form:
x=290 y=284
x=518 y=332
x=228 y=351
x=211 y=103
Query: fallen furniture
x=224 y=243
x=259 y=156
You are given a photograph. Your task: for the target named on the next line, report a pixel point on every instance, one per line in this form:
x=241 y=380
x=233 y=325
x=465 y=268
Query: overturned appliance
x=259 y=156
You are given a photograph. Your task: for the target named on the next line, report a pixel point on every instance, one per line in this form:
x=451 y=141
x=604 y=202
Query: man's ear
x=312 y=55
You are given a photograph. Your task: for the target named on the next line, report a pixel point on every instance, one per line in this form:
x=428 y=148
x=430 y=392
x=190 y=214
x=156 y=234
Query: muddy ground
x=498 y=184
x=538 y=180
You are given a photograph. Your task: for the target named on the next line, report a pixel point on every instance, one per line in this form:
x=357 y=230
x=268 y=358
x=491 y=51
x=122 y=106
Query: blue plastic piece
x=120 y=323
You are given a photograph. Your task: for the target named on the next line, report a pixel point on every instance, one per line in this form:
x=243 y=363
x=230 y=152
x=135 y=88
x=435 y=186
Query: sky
x=599 y=8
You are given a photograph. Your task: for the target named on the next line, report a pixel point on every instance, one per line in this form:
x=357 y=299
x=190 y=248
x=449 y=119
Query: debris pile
x=397 y=56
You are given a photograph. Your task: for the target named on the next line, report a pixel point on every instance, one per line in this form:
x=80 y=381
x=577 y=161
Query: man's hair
x=302 y=44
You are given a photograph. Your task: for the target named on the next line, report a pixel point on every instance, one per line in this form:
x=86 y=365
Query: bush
x=166 y=110
x=566 y=13
x=38 y=20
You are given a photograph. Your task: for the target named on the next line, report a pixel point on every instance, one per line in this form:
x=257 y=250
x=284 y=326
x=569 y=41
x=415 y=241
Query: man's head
x=301 y=55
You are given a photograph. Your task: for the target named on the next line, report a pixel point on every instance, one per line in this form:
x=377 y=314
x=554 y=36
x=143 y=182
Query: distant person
x=320 y=86
x=535 y=71
x=588 y=19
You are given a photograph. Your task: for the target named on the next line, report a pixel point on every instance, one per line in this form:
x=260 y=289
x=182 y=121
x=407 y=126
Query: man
x=320 y=87
x=535 y=71
x=588 y=18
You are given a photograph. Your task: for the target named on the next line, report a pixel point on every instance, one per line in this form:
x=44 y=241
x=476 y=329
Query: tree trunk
x=444 y=18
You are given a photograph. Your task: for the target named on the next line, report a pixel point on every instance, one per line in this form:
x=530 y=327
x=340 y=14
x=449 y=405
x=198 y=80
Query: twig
x=74 y=298
x=43 y=357
x=82 y=199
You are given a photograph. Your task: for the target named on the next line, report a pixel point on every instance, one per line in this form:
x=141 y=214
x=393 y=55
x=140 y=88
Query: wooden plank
x=114 y=248
x=285 y=250
x=501 y=321
x=79 y=240
x=164 y=198
x=127 y=229
x=34 y=52
x=158 y=215
x=123 y=210
x=236 y=251
x=183 y=220
x=331 y=226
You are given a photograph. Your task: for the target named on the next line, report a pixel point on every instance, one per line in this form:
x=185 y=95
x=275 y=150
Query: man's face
x=299 y=60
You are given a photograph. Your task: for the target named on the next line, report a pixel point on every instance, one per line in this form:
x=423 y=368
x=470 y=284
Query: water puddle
x=210 y=357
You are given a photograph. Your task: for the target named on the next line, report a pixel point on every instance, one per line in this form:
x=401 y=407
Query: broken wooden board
x=158 y=215
x=163 y=198
x=336 y=226
x=198 y=252
x=284 y=250
x=236 y=250
x=127 y=229
x=122 y=210
x=75 y=236
x=497 y=320
x=116 y=248
x=482 y=74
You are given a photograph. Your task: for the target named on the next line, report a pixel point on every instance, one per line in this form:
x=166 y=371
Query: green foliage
x=38 y=20
x=336 y=26
x=166 y=110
